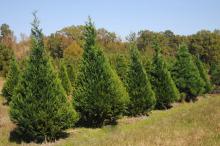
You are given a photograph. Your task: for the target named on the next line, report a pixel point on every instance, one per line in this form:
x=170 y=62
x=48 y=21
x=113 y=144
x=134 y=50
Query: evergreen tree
x=39 y=106
x=72 y=76
x=121 y=67
x=6 y=54
x=65 y=79
x=162 y=82
x=100 y=94
x=11 y=80
x=186 y=75
x=203 y=74
x=139 y=87
x=215 y=73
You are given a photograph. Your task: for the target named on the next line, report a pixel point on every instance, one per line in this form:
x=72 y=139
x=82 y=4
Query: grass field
x=187 y=124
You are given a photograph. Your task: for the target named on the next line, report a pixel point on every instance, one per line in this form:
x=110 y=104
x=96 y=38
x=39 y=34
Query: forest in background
x=67 y=44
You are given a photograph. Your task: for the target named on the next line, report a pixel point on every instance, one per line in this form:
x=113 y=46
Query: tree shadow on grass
x=18 y=138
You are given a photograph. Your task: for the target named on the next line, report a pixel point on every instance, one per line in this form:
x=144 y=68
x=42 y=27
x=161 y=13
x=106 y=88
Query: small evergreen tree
x=100 y=94
x=186 y=75
x=39 y=106
x=11 y=80
x=139 y=87
x=121 y=67
x=215 y=73
x=65 y=78
x=72 y=76
x=162 y=82
x=203 y=74
x=6 y=54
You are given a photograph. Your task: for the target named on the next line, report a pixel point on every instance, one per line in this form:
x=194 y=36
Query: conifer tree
x=203 y=74
x=162 y=82
x=11 y=80
x=6 y=54
x=65 y=78
x=100 y=94
x=121 y=67
x=139 y=87
x=39 y=106
x=215 y=73
x=72 y=76
x=186 y=75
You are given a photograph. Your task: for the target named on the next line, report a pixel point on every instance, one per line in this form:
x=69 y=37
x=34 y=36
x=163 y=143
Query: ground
x=185 y=124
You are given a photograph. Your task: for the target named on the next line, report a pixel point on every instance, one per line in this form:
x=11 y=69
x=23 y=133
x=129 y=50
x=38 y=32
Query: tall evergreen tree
x=39 y=106
x=121 y=67
x=100 y=94
x=139 y=87
x=65 y=78
x=72 y=76
x=203 y=74
x=12 y=79
x=186 y=75
x=162 y=82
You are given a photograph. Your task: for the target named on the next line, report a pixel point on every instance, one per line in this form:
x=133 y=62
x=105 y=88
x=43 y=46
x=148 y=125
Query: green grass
x=185 y=124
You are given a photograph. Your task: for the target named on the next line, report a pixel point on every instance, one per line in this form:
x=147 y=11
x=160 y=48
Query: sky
x=121 y=16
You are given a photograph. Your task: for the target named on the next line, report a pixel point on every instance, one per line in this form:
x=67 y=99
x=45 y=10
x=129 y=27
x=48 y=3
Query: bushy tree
x=39 y=106
x=11 y=80
x=65 y=78
x=139 y=87
x=162 y=82
x=100 y=94
x=186 y=74
x=121 y=67
x=203 y=74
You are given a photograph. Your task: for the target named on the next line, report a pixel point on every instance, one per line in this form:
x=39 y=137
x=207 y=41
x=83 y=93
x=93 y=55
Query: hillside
x=185 y=124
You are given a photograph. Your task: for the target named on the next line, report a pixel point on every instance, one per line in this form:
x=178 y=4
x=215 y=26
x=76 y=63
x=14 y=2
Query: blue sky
x=121 y=16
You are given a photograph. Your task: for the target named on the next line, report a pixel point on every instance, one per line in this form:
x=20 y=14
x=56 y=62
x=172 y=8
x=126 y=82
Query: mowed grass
x=186 y=124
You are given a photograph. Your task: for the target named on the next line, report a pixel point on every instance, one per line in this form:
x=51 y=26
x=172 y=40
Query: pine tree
x=39 y=106
x=65 y=79
x=6 y=54
x=121 y=67
x=162 y=82
x=139 y=87
x=186 y=75
x=215 y=73
x=100 y=94
x=203 y=74
x=12 y=79
x=72 y=76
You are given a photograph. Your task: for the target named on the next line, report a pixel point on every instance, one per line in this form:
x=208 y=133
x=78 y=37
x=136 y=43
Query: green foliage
x=12 y=79
x=206 y=44
x=100 y=95
x=72 y=76
x=65 y=78
x=139 y=86
x=121 y=67
x=204 y=74
x=186 y=74
x=162 y=82
x=39 y=106
x=5 y=57
x=215 y=73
